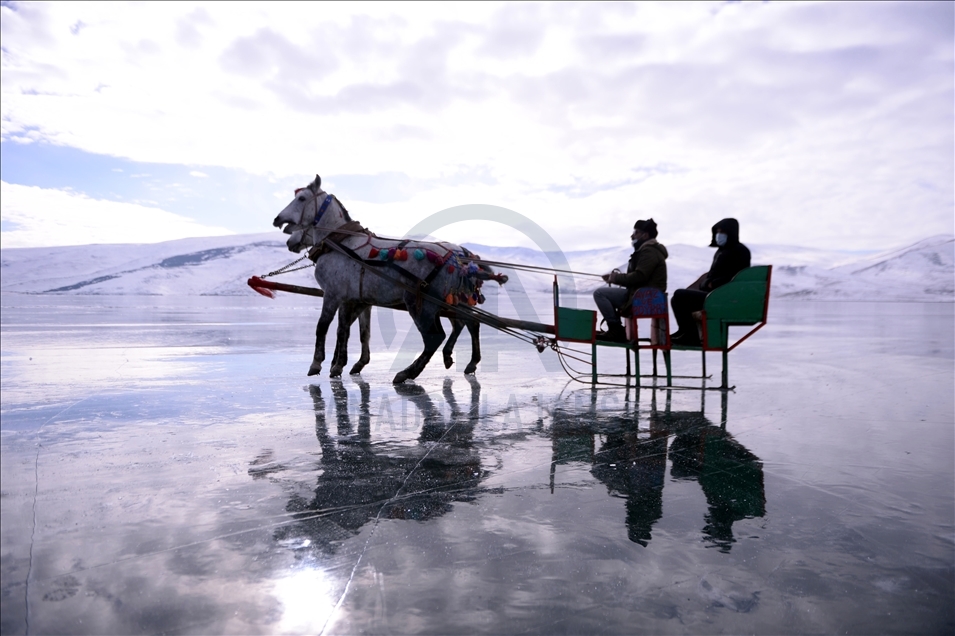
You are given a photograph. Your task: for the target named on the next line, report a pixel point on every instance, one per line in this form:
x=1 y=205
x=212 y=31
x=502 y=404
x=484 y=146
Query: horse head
x=311 y=216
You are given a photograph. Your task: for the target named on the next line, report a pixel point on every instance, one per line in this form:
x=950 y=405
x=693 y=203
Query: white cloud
x=41 y=217
x=837 y=118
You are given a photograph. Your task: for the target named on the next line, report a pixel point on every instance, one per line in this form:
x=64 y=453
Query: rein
x=517 y=266
x=417 y=286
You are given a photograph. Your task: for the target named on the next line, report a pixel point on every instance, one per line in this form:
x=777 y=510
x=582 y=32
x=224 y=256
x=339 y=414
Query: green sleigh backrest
x=742 y=301
x=575 y=325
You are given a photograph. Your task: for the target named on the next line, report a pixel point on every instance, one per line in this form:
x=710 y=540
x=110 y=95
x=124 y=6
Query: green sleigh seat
x=742 y=302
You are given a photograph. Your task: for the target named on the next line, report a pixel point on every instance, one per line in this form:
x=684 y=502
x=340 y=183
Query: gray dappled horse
x=357 y=269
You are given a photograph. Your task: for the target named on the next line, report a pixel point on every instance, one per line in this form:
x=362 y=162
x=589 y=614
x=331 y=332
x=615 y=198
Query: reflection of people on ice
x=731 y=257
x=729 y=474
x=632 y=464
x=647 y=268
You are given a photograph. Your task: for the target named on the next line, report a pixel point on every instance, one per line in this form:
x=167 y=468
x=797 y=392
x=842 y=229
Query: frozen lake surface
x=167 y=467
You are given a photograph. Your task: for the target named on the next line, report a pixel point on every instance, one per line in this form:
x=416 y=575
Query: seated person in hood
x=647 y=268
x=731 y=257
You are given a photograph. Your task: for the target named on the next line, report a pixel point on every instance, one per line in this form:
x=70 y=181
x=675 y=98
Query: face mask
x=636 y=243
x=720 y=239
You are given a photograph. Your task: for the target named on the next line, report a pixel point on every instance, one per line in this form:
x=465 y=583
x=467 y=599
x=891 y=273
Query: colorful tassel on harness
x=373 y=252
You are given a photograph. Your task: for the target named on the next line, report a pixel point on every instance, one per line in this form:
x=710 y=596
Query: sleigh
x=358 y=269
x=741 y=303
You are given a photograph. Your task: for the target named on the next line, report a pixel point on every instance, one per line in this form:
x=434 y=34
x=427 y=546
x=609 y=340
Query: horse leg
x=364 y=334
x=340 y=357
x=346 y=317
x=456 y=327
x=474 y=328
x=432 y=333
x=329 y=307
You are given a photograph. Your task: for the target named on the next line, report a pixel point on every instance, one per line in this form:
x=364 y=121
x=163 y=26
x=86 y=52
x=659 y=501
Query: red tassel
x=268 y=293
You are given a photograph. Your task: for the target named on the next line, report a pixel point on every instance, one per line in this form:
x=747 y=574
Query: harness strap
x=465 y=311
x=371 y=262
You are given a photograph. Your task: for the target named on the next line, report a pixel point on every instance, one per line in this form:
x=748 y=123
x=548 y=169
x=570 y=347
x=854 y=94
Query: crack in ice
x=36 y=491
x=374 y=526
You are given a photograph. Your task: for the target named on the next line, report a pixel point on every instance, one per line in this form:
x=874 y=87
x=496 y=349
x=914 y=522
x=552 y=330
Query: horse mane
x=345 y=213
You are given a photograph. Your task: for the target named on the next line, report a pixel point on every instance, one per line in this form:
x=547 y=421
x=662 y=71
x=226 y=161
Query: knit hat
x=648 y=226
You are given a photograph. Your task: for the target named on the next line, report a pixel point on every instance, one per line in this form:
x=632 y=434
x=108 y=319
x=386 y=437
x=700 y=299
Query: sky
x=818 y=124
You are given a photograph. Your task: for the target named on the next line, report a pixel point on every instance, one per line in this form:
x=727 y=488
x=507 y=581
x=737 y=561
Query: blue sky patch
x=215 y=196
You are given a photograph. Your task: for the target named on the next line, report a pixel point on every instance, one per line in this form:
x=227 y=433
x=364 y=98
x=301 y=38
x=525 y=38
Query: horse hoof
x=401 y=377
x=315 y=369
x=356 y=370
x=335 y=372
x=470 y=369
x=448 y=361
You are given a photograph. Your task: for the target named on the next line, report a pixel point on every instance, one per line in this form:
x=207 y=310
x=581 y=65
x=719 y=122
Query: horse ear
x=318 y=181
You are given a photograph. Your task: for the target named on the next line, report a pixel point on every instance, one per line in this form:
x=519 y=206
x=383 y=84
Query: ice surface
x=168 y=467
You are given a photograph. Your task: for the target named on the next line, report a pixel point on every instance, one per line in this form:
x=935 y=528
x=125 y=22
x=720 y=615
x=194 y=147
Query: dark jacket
x=729 y=260
x=647 y=268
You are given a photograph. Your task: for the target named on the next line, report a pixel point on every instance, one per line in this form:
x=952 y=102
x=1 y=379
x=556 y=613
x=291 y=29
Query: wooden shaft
x=255 y=281
x=513 y=323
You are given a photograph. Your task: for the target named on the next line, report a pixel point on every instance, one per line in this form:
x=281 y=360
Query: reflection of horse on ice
x=362 y=480
x=357 y=269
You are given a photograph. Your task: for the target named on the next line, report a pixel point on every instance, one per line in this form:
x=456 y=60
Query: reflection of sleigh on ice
x=743 y=302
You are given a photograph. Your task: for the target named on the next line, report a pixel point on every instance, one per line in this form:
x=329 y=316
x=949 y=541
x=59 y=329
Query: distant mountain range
x=219 y=266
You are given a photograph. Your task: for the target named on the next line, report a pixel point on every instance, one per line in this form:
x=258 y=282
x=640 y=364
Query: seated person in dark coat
x=647 y=268
x=731 y=257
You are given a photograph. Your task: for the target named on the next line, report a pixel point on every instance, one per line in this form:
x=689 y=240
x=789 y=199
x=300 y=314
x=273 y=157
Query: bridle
x=321 y=210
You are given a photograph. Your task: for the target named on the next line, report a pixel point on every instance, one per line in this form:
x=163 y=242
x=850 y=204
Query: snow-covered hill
x=924 y=271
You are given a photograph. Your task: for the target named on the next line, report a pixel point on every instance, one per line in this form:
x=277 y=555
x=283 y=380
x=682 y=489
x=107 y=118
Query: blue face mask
x=720 y=239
